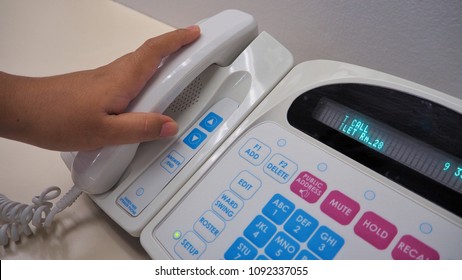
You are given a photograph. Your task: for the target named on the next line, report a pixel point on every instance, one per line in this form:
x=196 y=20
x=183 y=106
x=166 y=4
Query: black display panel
x=412 y=141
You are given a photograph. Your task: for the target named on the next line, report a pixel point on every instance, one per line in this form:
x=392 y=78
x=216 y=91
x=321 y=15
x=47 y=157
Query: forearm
x=47 y=112
x=16 y=98
x=35 y=110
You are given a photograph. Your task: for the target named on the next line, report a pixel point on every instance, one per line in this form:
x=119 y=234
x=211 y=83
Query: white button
x=172 y=161
x=190 y=247
x=209 y=226
x=245 y=184
x=254 y=151
x=227 y=205
x=280 y=168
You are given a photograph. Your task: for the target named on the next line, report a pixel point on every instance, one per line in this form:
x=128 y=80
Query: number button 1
x=278 y=209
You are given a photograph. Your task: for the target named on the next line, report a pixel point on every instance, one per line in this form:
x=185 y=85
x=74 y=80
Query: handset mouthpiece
x=97 y=171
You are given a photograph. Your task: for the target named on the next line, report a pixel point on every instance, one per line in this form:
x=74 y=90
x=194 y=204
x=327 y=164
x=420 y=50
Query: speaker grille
x=188 y=97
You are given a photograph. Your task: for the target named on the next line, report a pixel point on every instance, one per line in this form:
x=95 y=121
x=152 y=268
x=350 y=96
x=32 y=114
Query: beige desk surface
x=39 y=38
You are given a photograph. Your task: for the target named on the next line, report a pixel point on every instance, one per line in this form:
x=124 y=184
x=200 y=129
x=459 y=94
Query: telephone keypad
x=286 y=243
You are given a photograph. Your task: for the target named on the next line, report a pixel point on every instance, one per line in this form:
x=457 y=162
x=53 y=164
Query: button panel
x=265 y=200
x=163 y=170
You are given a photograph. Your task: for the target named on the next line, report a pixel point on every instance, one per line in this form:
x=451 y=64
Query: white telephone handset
x=222 y=37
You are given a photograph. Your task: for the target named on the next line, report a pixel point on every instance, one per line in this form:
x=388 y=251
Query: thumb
x=139 y=127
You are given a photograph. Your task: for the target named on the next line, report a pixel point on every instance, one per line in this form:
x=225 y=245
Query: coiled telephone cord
x=16 y=218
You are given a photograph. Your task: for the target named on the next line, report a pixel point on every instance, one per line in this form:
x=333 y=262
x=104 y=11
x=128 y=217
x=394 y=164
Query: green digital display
x=413 y=153
x=359 y=129
x=454 y=169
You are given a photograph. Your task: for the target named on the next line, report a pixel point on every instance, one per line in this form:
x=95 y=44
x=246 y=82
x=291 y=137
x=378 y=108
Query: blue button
x=301 y=225
x=194 y=138
x=260 y=231
x=282 y=247
x=241 y=250
x=211 y=121
x=278 y=209
x=325 y=243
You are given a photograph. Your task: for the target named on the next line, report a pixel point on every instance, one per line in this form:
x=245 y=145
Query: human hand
x=85 y=110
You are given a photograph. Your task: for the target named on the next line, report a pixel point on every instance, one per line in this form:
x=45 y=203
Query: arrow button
x=194 y=138
x=211 y=121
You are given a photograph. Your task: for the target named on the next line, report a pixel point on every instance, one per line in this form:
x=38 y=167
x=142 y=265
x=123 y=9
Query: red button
x=308 y=187
x=340 y=207
x=410 y=248
x=375 y=230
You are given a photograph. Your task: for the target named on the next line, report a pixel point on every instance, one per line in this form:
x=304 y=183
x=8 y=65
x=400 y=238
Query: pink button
x=340 y=207
x=410 y=248
x=375 y=230
x=308 y=187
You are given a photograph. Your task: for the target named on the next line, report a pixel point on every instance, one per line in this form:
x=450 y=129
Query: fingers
x=138 y=67
x=149 y=55
x=138 y=127
x=170 y=42
x=132 y=72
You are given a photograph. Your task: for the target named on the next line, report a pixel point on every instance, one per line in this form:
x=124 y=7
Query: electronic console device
x=337 y=162
x=327 y=160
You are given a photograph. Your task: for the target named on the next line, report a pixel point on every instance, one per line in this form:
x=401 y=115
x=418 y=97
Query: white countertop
x=40 y=38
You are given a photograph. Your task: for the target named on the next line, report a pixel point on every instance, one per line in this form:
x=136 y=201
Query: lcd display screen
x=392 y=143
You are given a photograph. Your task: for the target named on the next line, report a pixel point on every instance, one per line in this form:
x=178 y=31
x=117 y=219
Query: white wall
x=416 y=40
